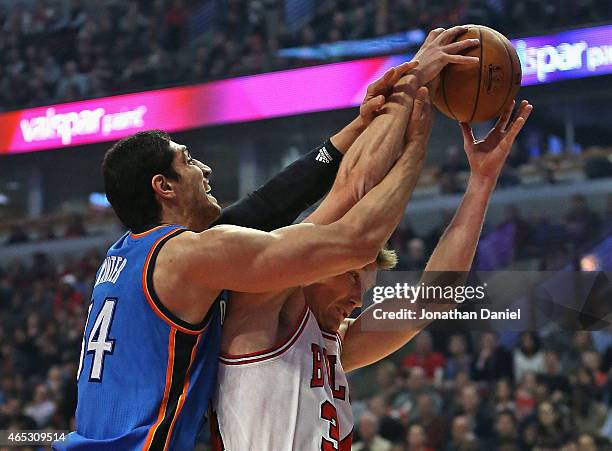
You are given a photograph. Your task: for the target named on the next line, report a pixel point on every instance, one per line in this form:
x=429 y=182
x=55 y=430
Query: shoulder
x=191 y=242
x=344 y=327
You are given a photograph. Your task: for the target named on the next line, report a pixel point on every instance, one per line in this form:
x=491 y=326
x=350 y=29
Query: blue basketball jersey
x=145 y=377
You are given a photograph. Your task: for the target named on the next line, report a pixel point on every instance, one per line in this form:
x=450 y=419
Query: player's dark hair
x=128 y=167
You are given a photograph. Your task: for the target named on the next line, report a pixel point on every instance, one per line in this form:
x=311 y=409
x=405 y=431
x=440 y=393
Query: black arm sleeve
x=281 y=199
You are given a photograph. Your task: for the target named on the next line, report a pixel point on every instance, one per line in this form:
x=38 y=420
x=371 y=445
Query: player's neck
x=187 y=220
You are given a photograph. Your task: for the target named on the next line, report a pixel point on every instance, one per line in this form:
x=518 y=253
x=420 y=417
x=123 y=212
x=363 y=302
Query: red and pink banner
x=240 y=99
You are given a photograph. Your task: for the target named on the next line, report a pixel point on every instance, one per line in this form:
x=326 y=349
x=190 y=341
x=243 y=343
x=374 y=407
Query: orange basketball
x=479 y=92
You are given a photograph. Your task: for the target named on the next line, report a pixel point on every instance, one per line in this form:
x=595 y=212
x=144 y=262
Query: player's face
x=193 y=187
x=333 y=299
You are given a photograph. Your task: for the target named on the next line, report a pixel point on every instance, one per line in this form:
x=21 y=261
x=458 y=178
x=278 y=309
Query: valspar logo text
x=548 y=59
x=66 y=126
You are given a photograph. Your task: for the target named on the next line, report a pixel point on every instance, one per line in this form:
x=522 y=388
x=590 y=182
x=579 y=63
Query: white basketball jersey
x=293 y=397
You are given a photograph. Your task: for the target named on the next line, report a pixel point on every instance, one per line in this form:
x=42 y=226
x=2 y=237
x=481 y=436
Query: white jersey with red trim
x=294 y=396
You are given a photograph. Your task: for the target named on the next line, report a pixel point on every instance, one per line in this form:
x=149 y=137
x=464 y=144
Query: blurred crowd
x=42 y=315
x=475 y=392
x=515 y=237
x=21 y=232
x=64 y=50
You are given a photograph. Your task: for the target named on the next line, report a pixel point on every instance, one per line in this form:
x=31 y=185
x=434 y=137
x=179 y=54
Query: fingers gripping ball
x=479 y=92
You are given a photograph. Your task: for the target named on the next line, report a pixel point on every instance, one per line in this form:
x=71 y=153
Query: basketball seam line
x=479 y=76
x=511 y=76
x=442 y=81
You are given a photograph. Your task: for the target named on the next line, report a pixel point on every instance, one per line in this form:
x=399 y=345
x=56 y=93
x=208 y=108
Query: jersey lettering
x=317 y=367
x=111 y=269
x=340 y=392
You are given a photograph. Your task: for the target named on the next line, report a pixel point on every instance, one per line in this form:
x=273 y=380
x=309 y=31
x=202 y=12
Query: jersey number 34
x=98 y=342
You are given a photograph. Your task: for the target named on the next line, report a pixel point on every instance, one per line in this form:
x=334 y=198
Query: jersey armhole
x=153 y=299
x=274 y=351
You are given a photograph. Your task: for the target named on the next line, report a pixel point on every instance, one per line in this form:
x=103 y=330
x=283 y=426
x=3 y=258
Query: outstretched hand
x=487 y=156
x=440 y=49
x=378 y=91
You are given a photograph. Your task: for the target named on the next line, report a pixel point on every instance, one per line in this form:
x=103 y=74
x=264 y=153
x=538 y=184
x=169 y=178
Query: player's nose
x=356 y=299
x=205 y=169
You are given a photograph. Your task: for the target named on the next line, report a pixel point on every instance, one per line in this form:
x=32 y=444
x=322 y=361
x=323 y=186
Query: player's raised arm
x=453 y=256
x=285 y=196
x=365 y=164
x=240 y=259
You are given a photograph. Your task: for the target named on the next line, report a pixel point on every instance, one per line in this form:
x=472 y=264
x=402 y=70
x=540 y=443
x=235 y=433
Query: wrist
x=357 y=125
x=342 y=140
x=410 y=82
x=481 y=183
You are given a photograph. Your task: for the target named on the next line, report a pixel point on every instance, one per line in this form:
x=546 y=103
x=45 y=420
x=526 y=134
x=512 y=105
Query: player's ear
x=162 y=186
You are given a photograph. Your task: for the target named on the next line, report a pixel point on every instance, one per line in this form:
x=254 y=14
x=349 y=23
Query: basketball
x=479 y=92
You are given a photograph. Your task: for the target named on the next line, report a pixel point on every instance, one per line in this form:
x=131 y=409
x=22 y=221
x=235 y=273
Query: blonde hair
x=386 y=259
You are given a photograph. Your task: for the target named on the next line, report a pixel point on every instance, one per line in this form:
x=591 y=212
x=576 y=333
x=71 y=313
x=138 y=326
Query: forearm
x=283 y=198
x=368 y=160
x=457 y=246
x=345 y=138
x=448 y=266
x=381 y=209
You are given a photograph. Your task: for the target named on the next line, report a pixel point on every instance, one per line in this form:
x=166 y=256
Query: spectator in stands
x=582 y=222
x=506 y=431
x=459 y=359
x=492 y=362
x=586 y=442
x=592 y=361
x=416 y=384
x=42 y=407
x=588 y=413
x=553 y=376
x=503 y=401
x=416 y=439
x=389 y=426
x=67 y=296
x=552 y=431
x=429 y=418
x=580 y=343
x=528 y=357
x=424 y=356
x=462 y=436
x=471 y=407
x=368 y=435
x=525 y=396
x=73 y=84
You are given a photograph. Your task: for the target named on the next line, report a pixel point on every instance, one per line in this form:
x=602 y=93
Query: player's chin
x=335 y=317
x=212 y=200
